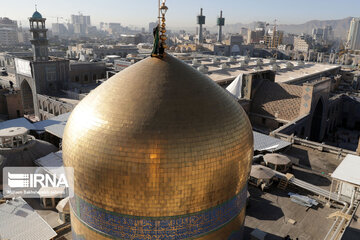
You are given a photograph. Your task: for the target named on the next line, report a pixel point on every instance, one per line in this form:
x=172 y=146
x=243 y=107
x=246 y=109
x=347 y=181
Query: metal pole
x=332 y=182
x=159 y=17
x=200 y=30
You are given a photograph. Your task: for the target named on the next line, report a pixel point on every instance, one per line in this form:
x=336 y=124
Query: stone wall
x=50 y=107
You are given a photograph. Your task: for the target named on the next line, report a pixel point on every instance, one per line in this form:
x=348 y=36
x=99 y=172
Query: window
x=253 y=180
x=263 y=121
x=57 y=200
x=86 y=78
x=76 y=78
x=270 y=165
x=302 y=131
x=48 y=202
x=94 y=77
x=281 y=168
x=18 y=113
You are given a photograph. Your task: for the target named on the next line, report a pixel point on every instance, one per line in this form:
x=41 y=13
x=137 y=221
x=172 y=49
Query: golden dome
x=157 y=140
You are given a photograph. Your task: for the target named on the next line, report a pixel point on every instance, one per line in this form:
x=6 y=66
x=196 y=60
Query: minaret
x=220 y=23
x=201 y=21
x=39 y=40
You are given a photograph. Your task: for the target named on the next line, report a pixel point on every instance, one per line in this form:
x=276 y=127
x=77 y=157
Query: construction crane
x=65 y=20
x=273 y=42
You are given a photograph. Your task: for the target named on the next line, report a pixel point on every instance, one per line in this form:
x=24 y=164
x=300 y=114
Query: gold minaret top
x=159 y=151
x=159 y=32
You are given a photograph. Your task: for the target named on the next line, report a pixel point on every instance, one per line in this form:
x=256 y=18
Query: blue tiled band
x=141 y=228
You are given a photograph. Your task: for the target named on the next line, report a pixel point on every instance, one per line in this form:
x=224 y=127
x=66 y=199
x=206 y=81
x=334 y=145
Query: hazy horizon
x=183 y=14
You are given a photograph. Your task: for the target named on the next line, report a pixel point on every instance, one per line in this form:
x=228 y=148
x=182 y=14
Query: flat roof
x=283 y=75
x=18 y=122
x=270 y=212
x=264 y=142
x=40 y=126
x=52 y=160
x=314 y=159
x=57 y=129
x=348 y=170
x=19 y=221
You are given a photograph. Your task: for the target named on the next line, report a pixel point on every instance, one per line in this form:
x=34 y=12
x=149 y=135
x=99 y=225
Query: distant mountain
x=340 y=26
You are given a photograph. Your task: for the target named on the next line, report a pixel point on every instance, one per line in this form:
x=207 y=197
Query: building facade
x=40 y=75
x=323 y=35
x=353 y=40
x=80 y=24
x=8 y=32
x=301 y=44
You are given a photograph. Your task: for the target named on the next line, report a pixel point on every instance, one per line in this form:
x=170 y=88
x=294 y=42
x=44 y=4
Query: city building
x=301 y=44
x=273 y=38
x=235 y=42
x=255 y=36
x=323 y=35
x=8 y=32
x=23 y=36
x=40 y=75
x=59 y=29
x=98 y=51
x=112 y=28
x=80 y=24
x=11 y=103
x=353 y=39
x=87 y=72
x=152 y=25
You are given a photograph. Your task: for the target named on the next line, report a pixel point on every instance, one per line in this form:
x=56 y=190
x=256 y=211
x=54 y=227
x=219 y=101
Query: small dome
x=24 y=155
x=37 y=15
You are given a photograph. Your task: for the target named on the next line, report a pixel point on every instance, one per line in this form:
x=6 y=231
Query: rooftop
x=314 y=159
x=287 y=72
x=273 y=212
x=20 y=221
x=264 y=142
x=277 y=100
x=348 y=170
x=13 y=132
x=18 y=122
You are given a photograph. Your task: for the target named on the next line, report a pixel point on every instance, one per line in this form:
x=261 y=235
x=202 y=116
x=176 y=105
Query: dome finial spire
x=35 y=7
x=159 y=32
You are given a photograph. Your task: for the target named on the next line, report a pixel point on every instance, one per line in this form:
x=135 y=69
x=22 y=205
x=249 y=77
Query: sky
x=182 y=13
